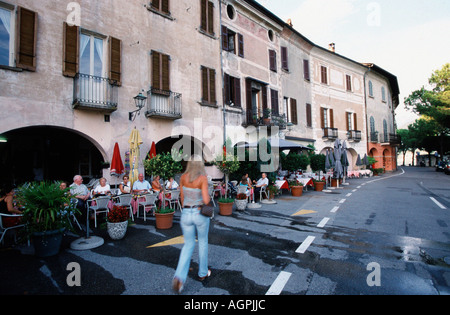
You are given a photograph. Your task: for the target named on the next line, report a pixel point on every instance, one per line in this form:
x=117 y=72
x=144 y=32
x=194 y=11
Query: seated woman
x=102 y=188
x=7 y=207
x=156 y=185
x=125 y=186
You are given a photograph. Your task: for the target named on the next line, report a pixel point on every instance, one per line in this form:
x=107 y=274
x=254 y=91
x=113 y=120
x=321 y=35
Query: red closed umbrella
x=117 y=168
x=152 y=152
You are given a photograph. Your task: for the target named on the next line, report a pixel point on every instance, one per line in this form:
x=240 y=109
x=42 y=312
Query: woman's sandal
x=207 y=276
x=177 y=285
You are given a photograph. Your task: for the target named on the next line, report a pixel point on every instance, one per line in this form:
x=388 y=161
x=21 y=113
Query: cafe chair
x=148 y=202
x=211 y=193
x=98 y=205
x=243 y=190
x=124 y=201
x=263 y=191
x=4 y=229
x=174 y=199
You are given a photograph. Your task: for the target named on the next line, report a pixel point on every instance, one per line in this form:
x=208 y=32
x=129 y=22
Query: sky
x=408 y=38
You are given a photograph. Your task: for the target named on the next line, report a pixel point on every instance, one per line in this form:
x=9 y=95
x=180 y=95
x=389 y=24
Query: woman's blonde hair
x=195 y=168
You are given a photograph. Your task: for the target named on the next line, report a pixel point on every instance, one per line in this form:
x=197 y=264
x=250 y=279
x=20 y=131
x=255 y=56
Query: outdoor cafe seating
x=98 y=205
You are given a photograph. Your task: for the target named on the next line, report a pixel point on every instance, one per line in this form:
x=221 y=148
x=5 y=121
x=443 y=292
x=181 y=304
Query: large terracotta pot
x=318 y=186
x=297 y=191
x=226 y=209
x=164 y=221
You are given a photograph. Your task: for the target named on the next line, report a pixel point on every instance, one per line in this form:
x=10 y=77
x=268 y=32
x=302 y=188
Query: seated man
x=141 y=186
x=262 y=182
x=81 y=193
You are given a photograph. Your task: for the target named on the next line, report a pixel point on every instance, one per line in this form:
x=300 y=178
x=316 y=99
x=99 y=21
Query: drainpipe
x=365 y=105
x=222 y=75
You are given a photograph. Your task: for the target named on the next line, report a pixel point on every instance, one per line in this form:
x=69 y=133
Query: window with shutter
x=224 y=38
x=161 y=6
x=294 y=118
x=6 y=39
x=355 y=121
x=207 y=17
x=160 y=72
x=306 y=74
x=308 y=115
x=348 y=120
x=284 y=59
x=26 y=39
x=324 y=77
x=115 y=58
x=274 y=102
x=273 y=60
x=208 y=86
x=71 y=50
x=331 y=118
x=323 y=118
x=241 y=45
x=348 y=80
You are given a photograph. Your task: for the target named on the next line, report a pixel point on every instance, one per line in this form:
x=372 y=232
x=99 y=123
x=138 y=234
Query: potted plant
x=241 y=202
x=266 y=116
x=117 y=222
x=226 y=206
x=318 y=184
x=164 y=218
x=164 y=165
x=47 y=212
x=296 y=188
x=272 y=190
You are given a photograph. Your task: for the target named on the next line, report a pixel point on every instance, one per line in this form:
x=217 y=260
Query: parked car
x=440 y=166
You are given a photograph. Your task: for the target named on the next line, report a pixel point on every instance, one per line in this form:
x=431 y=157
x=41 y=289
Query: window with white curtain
x=6 y=38
x=91 y=55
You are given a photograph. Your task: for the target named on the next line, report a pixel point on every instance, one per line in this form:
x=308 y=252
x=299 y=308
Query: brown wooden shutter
x=165 y=72
x=308 y=115
x=203 y=15
x=347 y=116
x=248 y=96
x=322 y=117
x=241 y=45
x=237 y=92
x=210 y=17
x=264 y=97
x=349 y=82
x=273 y=60
x=225 y=38
x=26 y=39
x=355 y=121
x=71 y=47
x=274 y=101
x=156 y=80
x=294 y=118
x=205 y=90
x=323 y=71
x=226 y=89
x=306 y=70
x=284 y=58
x=115 y=60
x=331 y=118
x=212 y=86
x=165 y=6
x=155 y=4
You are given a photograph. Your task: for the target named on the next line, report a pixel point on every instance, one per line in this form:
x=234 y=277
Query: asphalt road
x=376 y=236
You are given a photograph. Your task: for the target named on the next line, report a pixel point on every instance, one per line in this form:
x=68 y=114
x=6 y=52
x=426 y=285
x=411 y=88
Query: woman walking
x=194 y=194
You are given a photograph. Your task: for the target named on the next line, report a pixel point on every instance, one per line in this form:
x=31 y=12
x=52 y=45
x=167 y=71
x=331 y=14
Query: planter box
x=164 y=221
x=241 y=205
x=297 y=191
x=318 y=186
x=226 y=209
x=117 y=231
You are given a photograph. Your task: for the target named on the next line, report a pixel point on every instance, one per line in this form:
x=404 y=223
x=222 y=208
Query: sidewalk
x=124 y=267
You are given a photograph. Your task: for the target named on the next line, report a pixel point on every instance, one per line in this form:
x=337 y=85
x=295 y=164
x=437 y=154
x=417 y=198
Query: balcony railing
x=330 y=133
x=354 y=135
x=163 y=104
x=94 y=93
x=390 y=139
x=256 y=118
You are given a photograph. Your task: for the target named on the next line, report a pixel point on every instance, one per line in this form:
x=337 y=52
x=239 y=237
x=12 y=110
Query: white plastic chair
x=124 y=201
x=174 y=198
x=243 y=190
x=4 y=229
x=263 y=191
x=148 y=202
x=100 y=206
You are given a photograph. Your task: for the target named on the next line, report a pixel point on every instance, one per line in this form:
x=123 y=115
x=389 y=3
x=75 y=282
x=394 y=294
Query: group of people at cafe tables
x=140 y=187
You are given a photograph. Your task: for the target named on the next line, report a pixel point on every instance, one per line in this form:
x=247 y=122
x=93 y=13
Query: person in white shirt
x=125 y=186
x=171 y=184
x=262 y=182
x=102 y=188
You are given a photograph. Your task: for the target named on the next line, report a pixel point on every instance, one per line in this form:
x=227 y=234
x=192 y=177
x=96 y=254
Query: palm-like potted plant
x=164 y=218
x=47 y=214
x=117 y=222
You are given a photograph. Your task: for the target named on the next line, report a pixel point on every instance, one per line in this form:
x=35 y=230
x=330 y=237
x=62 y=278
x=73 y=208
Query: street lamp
x=139 y=101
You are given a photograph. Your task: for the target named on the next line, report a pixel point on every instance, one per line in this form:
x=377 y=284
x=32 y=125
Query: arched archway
x=374 y=153
x=49 y=153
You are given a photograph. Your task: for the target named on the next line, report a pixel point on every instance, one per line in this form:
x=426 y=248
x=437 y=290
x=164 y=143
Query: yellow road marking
x=174 y=241
x=303 y=212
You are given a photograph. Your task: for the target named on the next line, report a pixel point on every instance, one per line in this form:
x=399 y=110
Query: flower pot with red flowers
x=296 y=188
x=164 y=218
x=241 y=202
x=117 y=222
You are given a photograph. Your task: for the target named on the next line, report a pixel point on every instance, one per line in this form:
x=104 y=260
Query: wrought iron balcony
x=94 y=93
x=256 y=117
x=330 y=133
x=354 y=135
x=163 y=104
x=394 y=139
